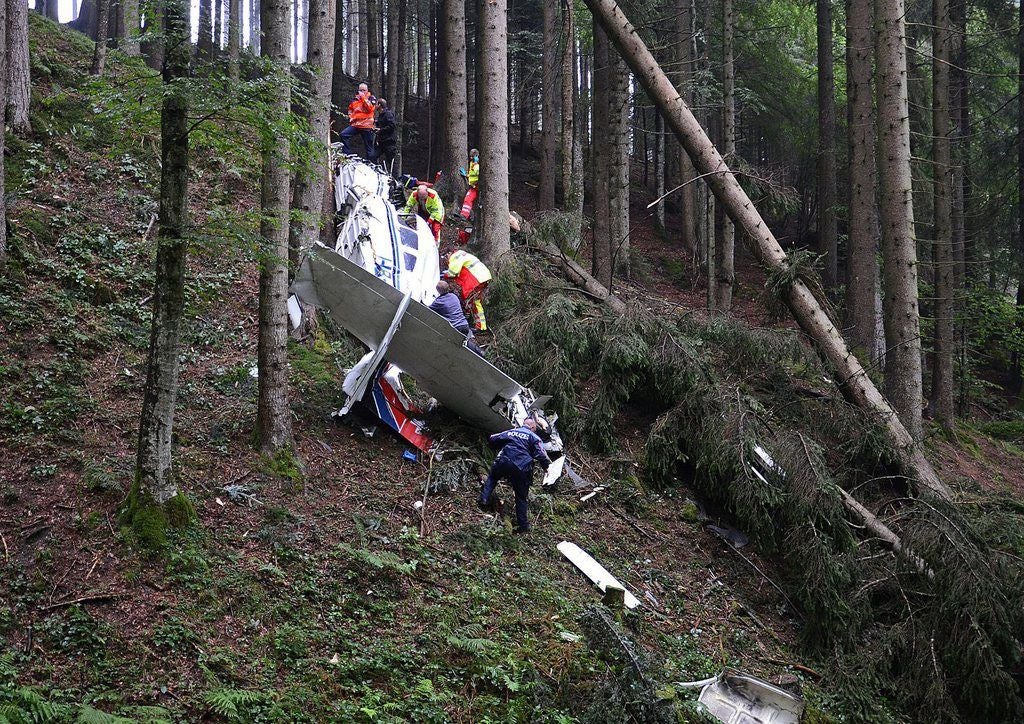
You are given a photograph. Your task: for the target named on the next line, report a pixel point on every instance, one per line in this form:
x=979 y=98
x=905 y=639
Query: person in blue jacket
x=520 y=448
x=449 y=306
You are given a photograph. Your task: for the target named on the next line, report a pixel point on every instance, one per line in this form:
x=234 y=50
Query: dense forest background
x=785 y=226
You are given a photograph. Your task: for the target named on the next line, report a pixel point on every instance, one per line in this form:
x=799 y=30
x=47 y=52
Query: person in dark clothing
x=387 y=134
x=449 y=306
x=520 y=448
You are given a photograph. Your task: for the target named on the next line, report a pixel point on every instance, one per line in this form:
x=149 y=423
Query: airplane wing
x=425 y=346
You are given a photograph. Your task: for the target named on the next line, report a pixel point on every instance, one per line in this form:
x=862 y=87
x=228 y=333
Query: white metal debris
x=594 y=571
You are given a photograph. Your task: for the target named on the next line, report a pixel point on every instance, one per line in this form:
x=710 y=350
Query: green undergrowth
x=711 y=392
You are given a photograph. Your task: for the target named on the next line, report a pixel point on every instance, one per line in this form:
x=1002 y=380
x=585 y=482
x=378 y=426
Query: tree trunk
x=659 y=174
x=339 y=100
x=454 y=125
x=828 y=234
x=255 y=29
x=402 y=80
x=204 y=42
x=17 y=74
x=600 y=161
x=234 y=37
x=806 y=309
x=396 y=33
x=942 y=234
x=863 y=301
x=315 y=77
x=572 y=160
x=154 y=473
x=960 y=146
x=549 y=108
x=99 y=56
x=274 y=423
x=52 y=10
x=1017 y=372
x=726 y=244
x=373 y=45
x=420 y=58
x=618 y=166
x=681 y=165
x=152 y=47
x=492 y=222
x=218 y=26
x=130 y=11
x=899 y=270
x=3 y=113
x=363 y=34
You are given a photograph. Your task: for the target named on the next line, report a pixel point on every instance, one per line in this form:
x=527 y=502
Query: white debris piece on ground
x=593 y=570
x=735 y=698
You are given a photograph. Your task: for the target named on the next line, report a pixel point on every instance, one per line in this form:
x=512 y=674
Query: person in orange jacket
x=471 y=276
x=361 y=122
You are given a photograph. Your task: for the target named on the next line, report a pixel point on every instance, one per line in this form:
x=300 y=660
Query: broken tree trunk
x=582 y=278
x=805 y=307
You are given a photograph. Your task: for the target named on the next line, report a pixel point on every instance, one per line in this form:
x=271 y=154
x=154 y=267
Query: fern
x=151 y=714
x=230 y=703
x=89 y=715
x=470 y=640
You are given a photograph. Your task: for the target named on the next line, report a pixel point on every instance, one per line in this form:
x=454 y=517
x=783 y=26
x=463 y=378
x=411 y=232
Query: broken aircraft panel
x=593 y=570
x=735 y=698
x=424 y=345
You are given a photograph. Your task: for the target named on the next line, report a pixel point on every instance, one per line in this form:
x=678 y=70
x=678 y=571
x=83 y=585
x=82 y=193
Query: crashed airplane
x=377 y=282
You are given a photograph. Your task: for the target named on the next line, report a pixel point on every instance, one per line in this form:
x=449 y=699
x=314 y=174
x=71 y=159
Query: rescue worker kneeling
x=471 y=276
x=427 y=205
x=520 y=447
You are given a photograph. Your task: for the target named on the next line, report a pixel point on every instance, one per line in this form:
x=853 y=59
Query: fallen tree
x=798 y=296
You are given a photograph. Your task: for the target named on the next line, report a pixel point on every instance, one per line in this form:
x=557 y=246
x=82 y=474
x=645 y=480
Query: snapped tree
x=795 y=292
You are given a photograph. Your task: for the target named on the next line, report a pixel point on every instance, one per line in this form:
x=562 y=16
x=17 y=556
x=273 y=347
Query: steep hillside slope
x=317 y=591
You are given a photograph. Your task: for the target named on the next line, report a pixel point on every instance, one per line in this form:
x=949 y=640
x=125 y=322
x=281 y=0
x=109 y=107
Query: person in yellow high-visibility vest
x=427 y=205
x=472 y=178
x=471 y=276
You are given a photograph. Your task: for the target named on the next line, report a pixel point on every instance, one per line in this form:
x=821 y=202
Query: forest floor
x=313 y=594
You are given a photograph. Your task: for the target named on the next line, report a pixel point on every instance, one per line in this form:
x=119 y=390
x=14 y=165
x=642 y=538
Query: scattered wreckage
x=377 y=281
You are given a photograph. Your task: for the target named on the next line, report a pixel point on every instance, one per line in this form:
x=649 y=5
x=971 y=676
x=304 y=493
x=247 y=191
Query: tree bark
x=395 y=50
x=154 y=473
x=454 y=124
x=3 y=113
x=572 y=158
x=618 y=166
x=1017 y=372
x=806 y=309
x=422 y=49
x=492 y=222
x=828 y=234
x=942 y=234
x=52 y=10
x=549 y=108
x=234 y=37
x=315 y=76
x=338 y=81
x=659 y=174
x=863 y=300
x=373 y=27
x=899 y=270
x=600 y=161
x=130 y=10
x=682 y=168
x=99 y=56
x=725 y=248
x=255 y=31
x=363 y=36
x=18 y=75
x=204 y=41
x=273 y=423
